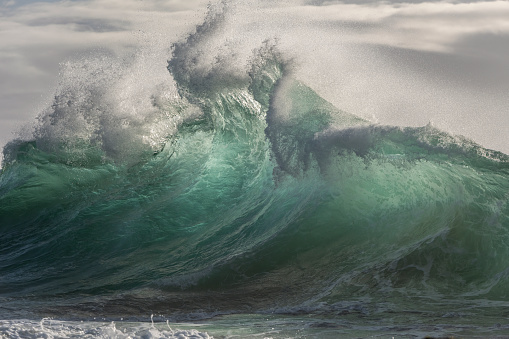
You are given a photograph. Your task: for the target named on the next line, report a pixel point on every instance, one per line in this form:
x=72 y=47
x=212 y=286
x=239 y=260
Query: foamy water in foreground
x=254 y=326
x=49 y=328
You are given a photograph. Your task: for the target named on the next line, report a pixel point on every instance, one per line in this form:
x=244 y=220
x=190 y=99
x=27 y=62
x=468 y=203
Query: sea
x=236 y=202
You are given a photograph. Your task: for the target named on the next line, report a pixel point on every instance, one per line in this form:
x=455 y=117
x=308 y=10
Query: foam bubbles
x=48 y=328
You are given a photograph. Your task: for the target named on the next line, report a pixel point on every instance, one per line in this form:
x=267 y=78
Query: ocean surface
x=241 y=204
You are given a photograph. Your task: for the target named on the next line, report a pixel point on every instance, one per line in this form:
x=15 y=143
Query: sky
x=404 y=63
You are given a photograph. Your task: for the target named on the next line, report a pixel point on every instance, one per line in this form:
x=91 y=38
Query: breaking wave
x=236 y=188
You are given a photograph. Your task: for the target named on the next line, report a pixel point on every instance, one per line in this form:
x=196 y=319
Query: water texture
x=241 y=191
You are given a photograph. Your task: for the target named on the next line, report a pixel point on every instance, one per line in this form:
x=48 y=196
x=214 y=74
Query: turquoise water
x=249 y=199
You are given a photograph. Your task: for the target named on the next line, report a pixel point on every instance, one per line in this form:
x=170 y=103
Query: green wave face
x=263 y=192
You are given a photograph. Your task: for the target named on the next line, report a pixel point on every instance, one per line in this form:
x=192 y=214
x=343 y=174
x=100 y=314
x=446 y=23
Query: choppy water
x=247 y=198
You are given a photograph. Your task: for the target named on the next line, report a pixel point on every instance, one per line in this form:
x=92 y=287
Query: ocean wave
x=238 y=188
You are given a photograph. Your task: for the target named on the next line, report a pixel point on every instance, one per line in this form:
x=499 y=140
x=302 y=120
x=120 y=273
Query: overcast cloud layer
x=394 y=63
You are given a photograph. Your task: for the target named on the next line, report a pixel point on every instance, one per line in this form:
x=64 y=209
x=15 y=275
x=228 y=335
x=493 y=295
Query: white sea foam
x=49 y=329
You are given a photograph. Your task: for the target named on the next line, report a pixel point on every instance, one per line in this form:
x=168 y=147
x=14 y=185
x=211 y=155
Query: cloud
x=377 y=2
x=428 y=26
x=83 y=24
